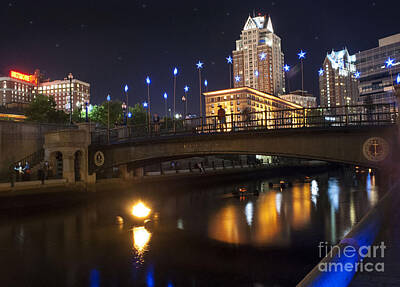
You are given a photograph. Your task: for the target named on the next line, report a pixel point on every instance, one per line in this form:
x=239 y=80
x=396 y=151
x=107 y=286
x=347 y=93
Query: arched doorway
x=78 y=165
x=55 y=168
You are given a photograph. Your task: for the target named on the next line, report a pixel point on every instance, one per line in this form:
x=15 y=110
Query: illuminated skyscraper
x=258 y=58
x=338 y=80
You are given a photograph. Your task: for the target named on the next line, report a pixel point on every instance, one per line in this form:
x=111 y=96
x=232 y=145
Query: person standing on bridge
x=156 y=120
x=221 y=118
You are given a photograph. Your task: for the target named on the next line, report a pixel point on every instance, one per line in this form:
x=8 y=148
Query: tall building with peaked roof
x=338 y=79
x=258 y=58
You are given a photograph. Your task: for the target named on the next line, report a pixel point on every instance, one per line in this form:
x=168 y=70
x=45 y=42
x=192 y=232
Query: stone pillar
x=124 y=173
x=139 y=172
x=68 y=166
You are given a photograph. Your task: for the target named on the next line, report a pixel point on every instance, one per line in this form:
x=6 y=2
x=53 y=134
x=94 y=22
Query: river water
x=208 y=236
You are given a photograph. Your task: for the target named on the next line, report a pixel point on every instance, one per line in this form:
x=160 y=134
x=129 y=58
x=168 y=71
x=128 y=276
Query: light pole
x=126 y=96
x=286 y=68
x=175 y=73
x=389 y=63
x=124 y=113
x=108 y=118
x=229 y=61
x=184 y=104
x=199 y=67
x=145 y=106
x=166 y=107
x=70 y=77
x=86 y=111
x=148 y=81
x=186 y=89
x=302 y=55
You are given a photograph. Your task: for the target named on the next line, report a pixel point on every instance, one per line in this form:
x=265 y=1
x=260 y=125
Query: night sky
x=115 y=42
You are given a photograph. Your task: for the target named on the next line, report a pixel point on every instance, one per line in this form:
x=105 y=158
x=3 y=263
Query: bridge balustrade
x=321 y=117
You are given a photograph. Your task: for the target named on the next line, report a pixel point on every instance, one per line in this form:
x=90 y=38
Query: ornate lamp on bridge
x=148 y=81
x=126 y=95
x=230 y=61
x=108 y=117
x=124 y=106
x=175 y=74
x=286 y=69
x=186 y=89
x=199 y=66
x=302 y=56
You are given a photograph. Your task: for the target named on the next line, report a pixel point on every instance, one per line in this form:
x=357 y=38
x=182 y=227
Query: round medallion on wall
x=99 y=158
x=375 y=149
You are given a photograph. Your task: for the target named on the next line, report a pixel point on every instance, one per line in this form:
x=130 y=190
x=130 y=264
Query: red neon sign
x=23 y=77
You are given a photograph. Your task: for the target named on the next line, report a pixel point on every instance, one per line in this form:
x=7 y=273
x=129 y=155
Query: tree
x=99 y=113
x=139 y=115
x=43 y=109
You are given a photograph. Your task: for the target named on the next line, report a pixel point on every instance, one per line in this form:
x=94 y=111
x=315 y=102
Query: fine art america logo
x=351 y=258
x=375 y=149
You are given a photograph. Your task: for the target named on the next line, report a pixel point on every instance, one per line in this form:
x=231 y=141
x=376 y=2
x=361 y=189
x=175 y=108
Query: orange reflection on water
x=268 y=224
x=141 y=238
x=301 y=203
x=228 y=225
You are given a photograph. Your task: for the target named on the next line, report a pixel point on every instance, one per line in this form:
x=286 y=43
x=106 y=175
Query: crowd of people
x=23 y=172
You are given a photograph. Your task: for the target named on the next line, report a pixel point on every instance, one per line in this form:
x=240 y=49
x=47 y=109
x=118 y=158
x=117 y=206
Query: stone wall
x=20 y=139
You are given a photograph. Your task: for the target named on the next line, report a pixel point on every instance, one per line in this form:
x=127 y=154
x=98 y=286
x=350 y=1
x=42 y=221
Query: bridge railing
x=340 y=116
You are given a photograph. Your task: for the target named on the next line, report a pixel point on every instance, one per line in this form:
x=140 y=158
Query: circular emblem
x=99 y=158
x=375 y=149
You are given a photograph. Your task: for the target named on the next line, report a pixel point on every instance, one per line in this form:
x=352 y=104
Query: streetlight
x=126 y=95
x=86 y=111
x=175 y=73
x=206 y=84
x=286 y=68
x=148 y=81
x=184 y=103
x=302 y=55
x=229 y=61
x=199 y=67
x=108 y=118
x=186 y=89
x=389 y=63
x=124 y=112
x=166 y=107
x=70 y=77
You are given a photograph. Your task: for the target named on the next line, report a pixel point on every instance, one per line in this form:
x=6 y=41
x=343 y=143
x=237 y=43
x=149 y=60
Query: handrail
x=321 y=117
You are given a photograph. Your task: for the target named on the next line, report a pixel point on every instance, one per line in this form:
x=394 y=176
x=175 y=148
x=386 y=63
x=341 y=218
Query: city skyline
x=95 y=50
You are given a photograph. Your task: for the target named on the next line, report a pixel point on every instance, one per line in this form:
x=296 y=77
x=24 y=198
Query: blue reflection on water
x=333 y=192
x=94 y=278
x=150 y=277
x=170 y=284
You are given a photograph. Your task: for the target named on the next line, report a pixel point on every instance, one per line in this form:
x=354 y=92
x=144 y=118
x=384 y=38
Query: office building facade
x=376 y=80
x=258 y=58
x=301 y=98
x=338 y=80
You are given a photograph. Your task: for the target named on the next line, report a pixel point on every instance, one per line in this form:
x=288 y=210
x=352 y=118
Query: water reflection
x=141 y=238
x=62 y=240
x=372 y=189
x=264 y=222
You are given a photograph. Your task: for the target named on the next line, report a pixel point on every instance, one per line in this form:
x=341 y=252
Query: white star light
x=286 y=68
x=199 y=65
x=321 y=72
x=302 y=54
x=389 y=63
x=229 y=60
x=256 y=73
x=263 y=56
x=186 y=88
x=237 y=78
x=357 y=74
x=398 y=79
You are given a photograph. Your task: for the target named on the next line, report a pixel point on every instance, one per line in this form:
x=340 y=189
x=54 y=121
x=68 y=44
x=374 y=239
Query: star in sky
x=237 y=78
x=302 y=55
x=320 y=72
x=199 y=65
x=229 y=60
x=186 y=89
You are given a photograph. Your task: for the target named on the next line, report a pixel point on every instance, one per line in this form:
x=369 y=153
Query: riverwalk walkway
x=390 y=235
